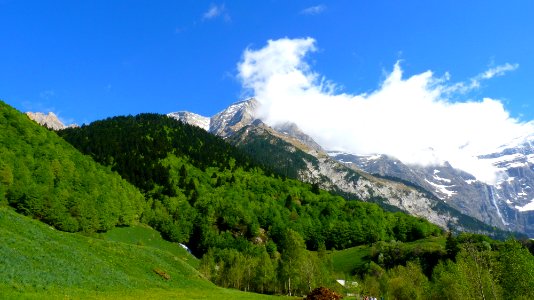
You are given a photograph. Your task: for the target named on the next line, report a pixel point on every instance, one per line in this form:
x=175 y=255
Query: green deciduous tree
x=516 y=271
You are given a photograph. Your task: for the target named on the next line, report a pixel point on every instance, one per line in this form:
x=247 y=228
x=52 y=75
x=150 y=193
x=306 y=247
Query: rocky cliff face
x=513 y=194
x=336 y=177
x=49 y=120
x=292 y=130
x=235 y=117
x=508 y=204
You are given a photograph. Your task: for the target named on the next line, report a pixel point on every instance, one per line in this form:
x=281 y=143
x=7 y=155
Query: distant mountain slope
x=191 y=119
x=505 y=205
x=285 y=154
x=271 y=148
x=43 y=176
x=49 y=120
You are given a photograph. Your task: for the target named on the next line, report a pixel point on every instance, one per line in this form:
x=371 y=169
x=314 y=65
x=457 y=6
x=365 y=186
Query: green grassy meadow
x=39 y=262
x=144 y=236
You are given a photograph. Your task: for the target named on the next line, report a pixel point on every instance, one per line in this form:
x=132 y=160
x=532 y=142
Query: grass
x=344 y=262
x=39 y=262
x=142 y=235
x=135 y=294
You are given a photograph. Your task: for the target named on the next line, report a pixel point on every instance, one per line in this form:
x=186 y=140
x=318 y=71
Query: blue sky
x=87 y=60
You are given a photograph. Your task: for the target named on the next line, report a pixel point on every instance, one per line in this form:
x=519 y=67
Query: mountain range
x=507 y=204
x=434 y=192
x=448 y=197
x=238 y=207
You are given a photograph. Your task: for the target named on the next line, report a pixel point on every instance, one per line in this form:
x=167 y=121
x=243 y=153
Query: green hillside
x=198 y=181
x=38 y=262
x=354 y=260
x=142 y=235
x=249 y=226
x=252 y=229
x=43 y=176
x=466 y=266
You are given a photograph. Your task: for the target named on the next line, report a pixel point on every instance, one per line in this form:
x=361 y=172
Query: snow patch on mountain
x=527 y=207
x=442 y=189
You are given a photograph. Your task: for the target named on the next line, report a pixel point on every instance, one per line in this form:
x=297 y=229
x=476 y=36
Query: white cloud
x=474 y=82
x=216 y=11
x=499 y=70
x=412 y=119
x=313 y=10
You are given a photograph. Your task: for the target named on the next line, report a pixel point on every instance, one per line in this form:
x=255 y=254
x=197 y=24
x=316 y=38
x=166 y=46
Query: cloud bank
x=412 y=119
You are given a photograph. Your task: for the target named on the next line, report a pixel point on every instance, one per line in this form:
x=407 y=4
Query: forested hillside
x=43 y=176
x=203 y=192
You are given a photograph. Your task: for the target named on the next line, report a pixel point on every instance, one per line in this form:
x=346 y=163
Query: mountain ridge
x=240 y=127
x=49 y=120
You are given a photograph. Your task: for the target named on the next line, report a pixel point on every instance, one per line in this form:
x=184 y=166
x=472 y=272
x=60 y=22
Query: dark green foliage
x=44 y=177
x=272 y=152
x=135 y=146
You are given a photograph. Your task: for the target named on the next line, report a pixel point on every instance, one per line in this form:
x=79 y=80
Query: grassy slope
x=37 y=261
x=143 y=235
x=345 y=261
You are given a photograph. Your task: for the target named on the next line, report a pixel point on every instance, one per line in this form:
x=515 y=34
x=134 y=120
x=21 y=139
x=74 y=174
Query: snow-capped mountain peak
x=233 y=118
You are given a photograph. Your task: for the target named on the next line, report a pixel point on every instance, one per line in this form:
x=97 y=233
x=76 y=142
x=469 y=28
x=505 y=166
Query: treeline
x=470 y=267
x=43 y=176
